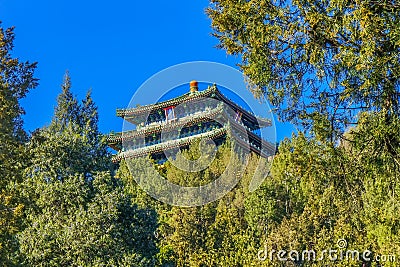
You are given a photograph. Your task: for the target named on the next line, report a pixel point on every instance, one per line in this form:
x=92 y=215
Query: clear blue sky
x=109 y=46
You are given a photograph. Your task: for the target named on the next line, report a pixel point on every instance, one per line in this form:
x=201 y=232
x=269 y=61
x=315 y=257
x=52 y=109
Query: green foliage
x=77 y=214
x=86 y=223
x=325 y=65
x=60 y=204
x=215 y=234
x=319 y=62
x=16 y=78
x=317 y=194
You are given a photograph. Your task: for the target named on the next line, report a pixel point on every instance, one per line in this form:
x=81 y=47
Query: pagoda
x=178 y=122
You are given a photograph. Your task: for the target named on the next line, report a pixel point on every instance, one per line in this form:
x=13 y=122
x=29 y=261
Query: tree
x=72 y=142
x=215 y=234
x=78 y=213
x=67 y=110
x=87 y=223
x=379 y=172
x=319 y=62
x=16 y=78
x=325 y=65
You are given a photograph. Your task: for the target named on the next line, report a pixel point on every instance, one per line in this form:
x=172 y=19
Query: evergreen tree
x=319 y=194
x=325 y=65
x=378 y=170
x=82 y=223
x=78 y=214
x=215 y=234
x=67 y=110
x=320 y=63
x=316 y=195
x=16 y=78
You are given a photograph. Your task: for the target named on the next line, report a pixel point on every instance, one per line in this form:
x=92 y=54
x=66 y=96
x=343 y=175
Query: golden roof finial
x=194 y=86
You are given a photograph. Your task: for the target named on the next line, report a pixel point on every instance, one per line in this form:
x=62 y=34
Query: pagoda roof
x=130 y=112
x=134 y=114
x=267 y=149
x=116 y=138
x=168 y=145
x=264 y=122
x=164 y=126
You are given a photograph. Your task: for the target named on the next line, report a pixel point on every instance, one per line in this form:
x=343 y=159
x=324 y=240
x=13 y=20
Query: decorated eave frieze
x=146 y=109
x=265 y=150
x=263 y=122
x=135 y=115
x=157 y=148
x=165 y=127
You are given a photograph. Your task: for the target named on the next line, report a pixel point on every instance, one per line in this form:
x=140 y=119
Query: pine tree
x=319 y=63
x=67 y=109
x=325 y=65
x=16 y=78
x=78 y=213
x=215 y=234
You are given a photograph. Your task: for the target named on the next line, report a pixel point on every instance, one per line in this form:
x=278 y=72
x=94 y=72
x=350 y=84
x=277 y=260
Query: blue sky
x=111 y=47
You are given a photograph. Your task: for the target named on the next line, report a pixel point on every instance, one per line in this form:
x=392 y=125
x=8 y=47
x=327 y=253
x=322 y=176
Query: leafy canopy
x=16 y=78
x=77 y=213
x=318 y=62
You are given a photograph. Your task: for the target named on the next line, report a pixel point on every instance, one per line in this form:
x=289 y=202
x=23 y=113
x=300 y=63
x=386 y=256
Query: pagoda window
x=238 y=116
x=170 y=113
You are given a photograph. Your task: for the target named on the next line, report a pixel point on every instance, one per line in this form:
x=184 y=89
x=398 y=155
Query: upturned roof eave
x=168 y=145
x=128 y=112
x=131 y=114
x=204 y=116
